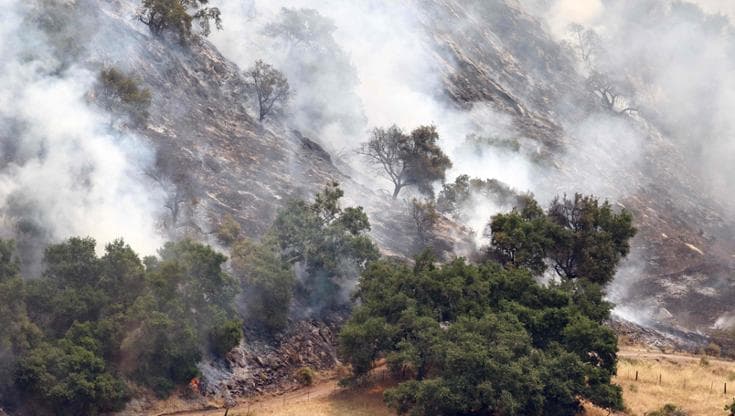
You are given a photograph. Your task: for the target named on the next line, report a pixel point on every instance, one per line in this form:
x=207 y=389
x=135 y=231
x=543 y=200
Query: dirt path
x=268 y=404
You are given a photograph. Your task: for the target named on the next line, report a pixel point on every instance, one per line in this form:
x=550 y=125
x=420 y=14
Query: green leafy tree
x=482 y=339
x=590 y=239
x=581 y=237
x=70 y=379
x=327 y=244
x=413 y=159
x=270 y=87
x=178 y=15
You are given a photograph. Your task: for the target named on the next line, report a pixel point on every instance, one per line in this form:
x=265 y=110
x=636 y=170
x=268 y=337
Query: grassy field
x=695 y=385
x=686 y=381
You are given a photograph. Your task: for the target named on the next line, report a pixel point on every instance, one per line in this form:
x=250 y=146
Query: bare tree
x=384 y=150
x=585 y=42
x=270 y=86
x=613 y=94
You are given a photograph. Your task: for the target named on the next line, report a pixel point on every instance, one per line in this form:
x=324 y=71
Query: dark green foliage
x=520 y=238
x=107 y=319
x=122 y=94
x=486 y=339
x=267 y=283
x=327 y=243
x=225 y=336
x=178 y=15
x=730 y=408
x=70 y=378
x=580 y=237
x=589 y=238
x=668 y=410
x=305 y=376
x=413 y=159
x=321 y=241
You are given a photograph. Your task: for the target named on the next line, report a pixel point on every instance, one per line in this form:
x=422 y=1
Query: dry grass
x=362 y=402
x=686 y=381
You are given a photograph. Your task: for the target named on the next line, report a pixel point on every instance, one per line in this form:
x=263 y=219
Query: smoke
x=63 y=170
x=397 y=80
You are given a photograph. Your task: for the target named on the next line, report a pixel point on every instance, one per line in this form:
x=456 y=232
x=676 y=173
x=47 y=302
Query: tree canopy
x=91 y=323
x=479 y=339
x=270 y=86
x=413 y=159
x=178 y=15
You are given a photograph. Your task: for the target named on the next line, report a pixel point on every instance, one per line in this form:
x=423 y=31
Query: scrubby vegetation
x=178 y=15
x=121 y=94
x=91 y=324
x=461 y=338
x=323 y=243
x=488 y=338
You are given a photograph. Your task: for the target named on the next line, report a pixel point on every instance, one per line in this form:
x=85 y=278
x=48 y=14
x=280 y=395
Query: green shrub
x=226 y=336
x=228 y=230
x=305 y=376
x=120 y=93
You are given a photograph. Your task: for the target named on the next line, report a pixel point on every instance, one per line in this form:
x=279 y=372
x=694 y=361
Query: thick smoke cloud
x=64 y=170
x=397 y=81
x=677 y=57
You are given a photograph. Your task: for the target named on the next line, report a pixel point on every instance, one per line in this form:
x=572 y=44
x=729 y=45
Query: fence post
x=725 y=388
x=636 y=375
x=659 y=379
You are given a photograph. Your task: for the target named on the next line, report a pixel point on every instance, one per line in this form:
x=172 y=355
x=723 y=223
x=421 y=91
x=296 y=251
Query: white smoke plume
x=397 y=81
x=63 y=170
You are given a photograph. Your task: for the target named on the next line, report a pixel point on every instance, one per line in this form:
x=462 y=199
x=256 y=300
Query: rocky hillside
x=215 y=159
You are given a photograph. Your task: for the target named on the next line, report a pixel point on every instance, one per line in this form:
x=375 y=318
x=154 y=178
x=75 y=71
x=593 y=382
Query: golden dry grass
x=686 y=382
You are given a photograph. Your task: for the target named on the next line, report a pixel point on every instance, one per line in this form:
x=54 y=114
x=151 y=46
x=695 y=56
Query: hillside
x=504 y=86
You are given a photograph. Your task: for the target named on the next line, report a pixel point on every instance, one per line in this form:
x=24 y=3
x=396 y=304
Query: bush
x=305 y=376
x=226 y=336
x=120 y=93
x=228 y=230
x=712 y=350
x=704 y=362
x=668 y=410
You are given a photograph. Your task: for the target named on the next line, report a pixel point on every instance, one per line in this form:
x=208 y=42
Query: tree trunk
x=396 y=190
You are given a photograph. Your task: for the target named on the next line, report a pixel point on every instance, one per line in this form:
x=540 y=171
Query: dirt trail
x=268 y=404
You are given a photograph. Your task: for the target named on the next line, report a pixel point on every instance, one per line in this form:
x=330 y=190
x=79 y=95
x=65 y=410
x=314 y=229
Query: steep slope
x=682 y=260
